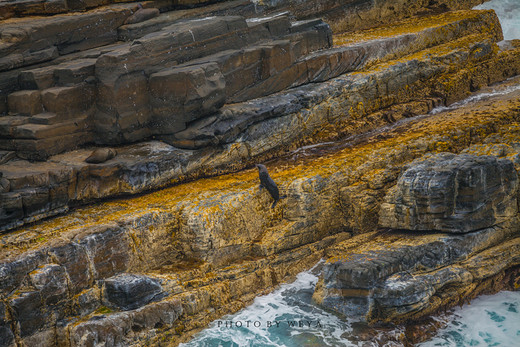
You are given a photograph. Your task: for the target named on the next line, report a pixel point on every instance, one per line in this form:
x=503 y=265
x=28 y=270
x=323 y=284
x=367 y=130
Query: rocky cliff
x=412 y=212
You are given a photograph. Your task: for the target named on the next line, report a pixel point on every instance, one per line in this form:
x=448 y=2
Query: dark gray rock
x=180 y=95
x=128 y=291
x=86 y=302
x=12 y=273
x=452 y=193
x=51 y=281
x=74 y=259
x=6 y=334
x=108 y=250
x=29 y=312
x=117 y=327
x=399 y=273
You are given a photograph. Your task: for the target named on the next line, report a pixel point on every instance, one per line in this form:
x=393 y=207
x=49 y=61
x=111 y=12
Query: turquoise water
x=285 y=317
x=490 y=320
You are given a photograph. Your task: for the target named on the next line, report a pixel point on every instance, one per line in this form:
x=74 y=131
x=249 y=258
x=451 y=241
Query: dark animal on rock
x=267 y=182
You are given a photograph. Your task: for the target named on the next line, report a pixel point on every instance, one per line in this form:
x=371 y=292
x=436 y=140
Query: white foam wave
x=289 y=305
x=490 y=320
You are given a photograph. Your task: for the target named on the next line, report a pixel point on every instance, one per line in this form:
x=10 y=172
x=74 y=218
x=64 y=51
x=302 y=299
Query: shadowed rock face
x=128 y=292
x=452 y=193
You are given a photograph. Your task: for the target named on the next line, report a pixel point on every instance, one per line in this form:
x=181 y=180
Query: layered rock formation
x=198 y=269
x=239 y=133
x=451 y=193
x=222 y=93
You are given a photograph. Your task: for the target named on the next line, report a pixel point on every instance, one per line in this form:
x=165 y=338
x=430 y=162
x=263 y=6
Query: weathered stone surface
x=246 y=130
x=123 y=109
x=74 y=72
x=5 y=156
x=46 y=118
x=46 y=337
x=44 y=131
x=11 y=212
x=186 y=235
x=13 y=273
x=355 y=15
x=7 y=124
x=237 y=7
x=195 y=89
x=108 y=251
x=129 y=291
x=25 y=102
x=86 y=302
x=180 y=95
x=141 y=15
x=235 y=119
x=452 y=193
x=101 y=155
x=51 y=281
x=74 y=258
x=68 y=100
x=41 y=39
x=116 y=327
x=397 y=275
x=39 y=78
x=6 y=334
x=42 y=149
x=28 y=312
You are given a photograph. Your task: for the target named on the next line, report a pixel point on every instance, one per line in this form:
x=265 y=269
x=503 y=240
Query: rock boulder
x=128 y=292
x=452 y=193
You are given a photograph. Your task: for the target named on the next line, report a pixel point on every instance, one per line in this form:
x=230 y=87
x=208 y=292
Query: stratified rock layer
x=401 y=276
x=186 y=237
x=452 y=193
x=156 y=267
x=250 y=131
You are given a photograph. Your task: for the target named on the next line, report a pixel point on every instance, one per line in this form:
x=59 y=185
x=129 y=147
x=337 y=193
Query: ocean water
x=490 y=320
x=287 y=318
x=508 y=11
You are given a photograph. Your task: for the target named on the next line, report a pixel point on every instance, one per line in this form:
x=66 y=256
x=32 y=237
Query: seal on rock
x=101 y=155
x=267 y=182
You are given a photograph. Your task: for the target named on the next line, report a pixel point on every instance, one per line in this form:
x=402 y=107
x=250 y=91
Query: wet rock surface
x=402 y=275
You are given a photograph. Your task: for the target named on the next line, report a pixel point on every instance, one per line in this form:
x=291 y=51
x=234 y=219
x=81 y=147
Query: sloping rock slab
x=116 y=327
x=390 y=276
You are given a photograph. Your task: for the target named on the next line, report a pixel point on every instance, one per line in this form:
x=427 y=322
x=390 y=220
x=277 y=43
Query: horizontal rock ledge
x=246 y=132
